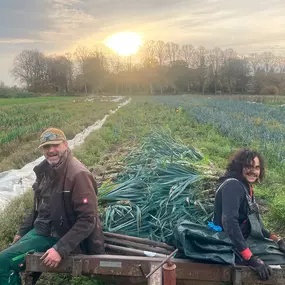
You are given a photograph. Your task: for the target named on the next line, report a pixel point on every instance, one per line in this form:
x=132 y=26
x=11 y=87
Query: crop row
x=257 y=125
x=21 y=120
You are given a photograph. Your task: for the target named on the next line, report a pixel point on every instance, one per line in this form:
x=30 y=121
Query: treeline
x=158 y=68
x=14 y=92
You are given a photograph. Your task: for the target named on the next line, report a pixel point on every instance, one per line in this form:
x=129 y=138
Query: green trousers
x=12 y=258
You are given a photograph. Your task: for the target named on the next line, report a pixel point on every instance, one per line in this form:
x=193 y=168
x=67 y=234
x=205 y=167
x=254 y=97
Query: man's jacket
x=74 y=208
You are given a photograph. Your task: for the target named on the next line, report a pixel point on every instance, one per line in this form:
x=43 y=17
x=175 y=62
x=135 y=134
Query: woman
x=235 y=204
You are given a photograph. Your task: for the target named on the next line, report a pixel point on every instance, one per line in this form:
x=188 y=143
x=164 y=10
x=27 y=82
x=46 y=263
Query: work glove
x=281 y=245
x=256 y=264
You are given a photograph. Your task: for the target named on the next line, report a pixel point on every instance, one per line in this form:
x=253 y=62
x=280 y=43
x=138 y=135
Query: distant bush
x=24 y=95
x=269 y=90
x=10 y=93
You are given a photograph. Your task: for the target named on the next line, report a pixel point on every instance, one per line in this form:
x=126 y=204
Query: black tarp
x=203 y=244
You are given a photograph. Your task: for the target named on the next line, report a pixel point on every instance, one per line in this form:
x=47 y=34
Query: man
x=64 y=219
x=235 y=204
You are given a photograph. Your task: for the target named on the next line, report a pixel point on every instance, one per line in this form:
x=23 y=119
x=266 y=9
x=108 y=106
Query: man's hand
x=260 y=267
x=51 y=258
x=16 y=238
x=281 y=245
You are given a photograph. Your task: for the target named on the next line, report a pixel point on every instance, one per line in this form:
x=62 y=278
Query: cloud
x=59 y=25
x=23 y=18
x=18 y=41
x=62 y=23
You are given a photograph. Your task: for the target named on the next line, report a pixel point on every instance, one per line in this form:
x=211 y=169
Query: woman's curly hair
x=244 y=158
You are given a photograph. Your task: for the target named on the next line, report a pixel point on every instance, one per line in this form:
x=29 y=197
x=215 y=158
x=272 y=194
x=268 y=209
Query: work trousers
x=12 y=259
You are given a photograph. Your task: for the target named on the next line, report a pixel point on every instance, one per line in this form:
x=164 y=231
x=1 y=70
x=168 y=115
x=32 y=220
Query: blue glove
x=214 y=227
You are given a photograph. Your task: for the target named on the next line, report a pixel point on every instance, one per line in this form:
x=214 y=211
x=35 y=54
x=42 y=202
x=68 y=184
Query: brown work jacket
x=74 y=207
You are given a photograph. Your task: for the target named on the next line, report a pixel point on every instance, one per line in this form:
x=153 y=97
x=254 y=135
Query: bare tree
x=30 y=68
x=172 y=52
x=94 y=69
x=200 y=63
x=215 y=58
x=229 y=54
x=116 y=65
x=254 y=60
x=148 y=51
x=58 y=71
x=187 y=53
x=268 y=61
x=81 y=55
x=69 y=58
x=279 y=64
x=161 y=67
x=160 y=52
x=149 y=64
x=161 y=57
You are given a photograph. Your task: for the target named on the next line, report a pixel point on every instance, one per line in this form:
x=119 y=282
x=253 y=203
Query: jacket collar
x=230 y=174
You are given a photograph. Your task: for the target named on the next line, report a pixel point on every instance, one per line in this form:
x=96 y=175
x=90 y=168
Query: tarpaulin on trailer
x=202 y=243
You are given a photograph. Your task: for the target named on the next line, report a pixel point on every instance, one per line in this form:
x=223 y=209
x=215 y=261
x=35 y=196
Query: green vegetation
x=36 y=100
x=257 y=125
x=14 y=92
x=135 y=121
x=13 y=216
x=21 y=124
x=264 y=99
x=128 y=127
x=163 y=182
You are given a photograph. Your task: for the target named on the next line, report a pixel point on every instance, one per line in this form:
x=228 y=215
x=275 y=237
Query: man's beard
x=55 y=163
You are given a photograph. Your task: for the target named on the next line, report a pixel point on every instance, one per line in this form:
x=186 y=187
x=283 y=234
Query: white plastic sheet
x=16 y=181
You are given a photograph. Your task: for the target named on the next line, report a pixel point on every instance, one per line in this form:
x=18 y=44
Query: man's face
x=53 y=152
x=252 y=172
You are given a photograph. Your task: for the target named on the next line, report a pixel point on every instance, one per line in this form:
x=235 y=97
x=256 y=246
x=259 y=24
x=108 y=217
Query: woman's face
x=251 y=173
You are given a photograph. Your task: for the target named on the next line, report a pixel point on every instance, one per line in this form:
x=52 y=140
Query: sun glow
x=125 y=43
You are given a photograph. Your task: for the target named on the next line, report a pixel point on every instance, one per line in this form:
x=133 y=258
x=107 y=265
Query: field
x=22 y=121
x=214 y=127
x=264 y=99
x=258 y=125
x=36 y=100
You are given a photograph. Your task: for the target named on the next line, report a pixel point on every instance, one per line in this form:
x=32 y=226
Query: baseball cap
x=52 y=136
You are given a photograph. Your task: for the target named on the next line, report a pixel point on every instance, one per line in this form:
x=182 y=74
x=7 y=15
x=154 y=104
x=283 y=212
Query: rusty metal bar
x=162 y=262
x=130 y=251
x=137 y=245
x=140 y=240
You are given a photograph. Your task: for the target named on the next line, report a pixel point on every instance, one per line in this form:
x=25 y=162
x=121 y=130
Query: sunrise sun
x=125 y=43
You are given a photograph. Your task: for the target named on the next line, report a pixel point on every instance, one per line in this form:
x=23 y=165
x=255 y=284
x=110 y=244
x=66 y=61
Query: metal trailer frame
x=121 y=269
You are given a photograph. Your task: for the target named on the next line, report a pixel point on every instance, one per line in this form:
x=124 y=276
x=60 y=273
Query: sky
x=59 y=26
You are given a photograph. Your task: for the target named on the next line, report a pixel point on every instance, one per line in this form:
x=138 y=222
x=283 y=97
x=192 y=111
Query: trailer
x=126 y=269
x=134 y=260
